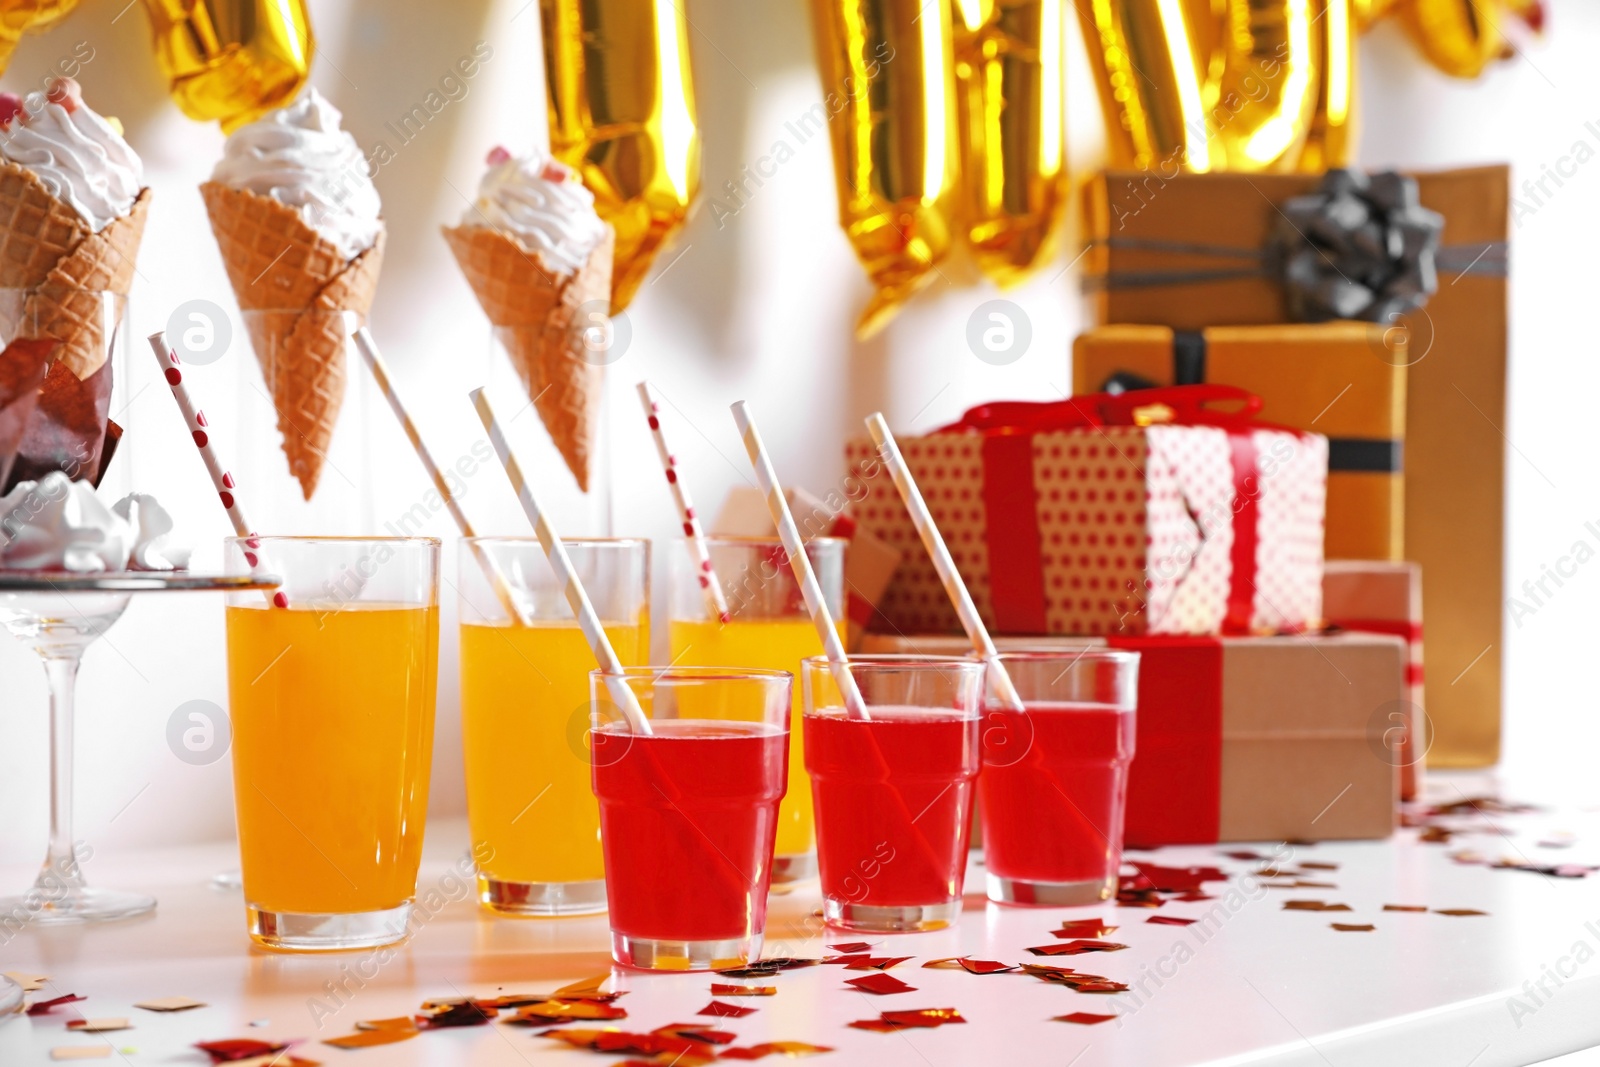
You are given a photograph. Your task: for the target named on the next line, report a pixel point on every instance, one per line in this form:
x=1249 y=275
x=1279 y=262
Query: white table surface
x=1269 y=986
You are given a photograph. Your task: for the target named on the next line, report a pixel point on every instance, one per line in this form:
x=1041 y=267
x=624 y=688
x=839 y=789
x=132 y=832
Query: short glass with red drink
x=689 y=811
x=1055 y=775
x=893 y=790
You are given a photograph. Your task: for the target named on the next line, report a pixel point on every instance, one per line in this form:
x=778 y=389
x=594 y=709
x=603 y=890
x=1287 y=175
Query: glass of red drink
x=1055 y=776
x=893 y=791
x=688 y=812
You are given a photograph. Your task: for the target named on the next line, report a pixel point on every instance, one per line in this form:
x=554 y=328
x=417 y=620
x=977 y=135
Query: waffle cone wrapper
x=279 y=264
x=538 y=313
x=46 y=247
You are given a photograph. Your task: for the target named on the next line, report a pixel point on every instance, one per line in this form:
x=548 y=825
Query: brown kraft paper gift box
x=1145 y=225
x=1249 y=738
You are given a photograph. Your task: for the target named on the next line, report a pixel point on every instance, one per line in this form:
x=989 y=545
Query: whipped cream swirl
x=299 y=156
x=75 y=153
x=57 y=524
x=541 y=204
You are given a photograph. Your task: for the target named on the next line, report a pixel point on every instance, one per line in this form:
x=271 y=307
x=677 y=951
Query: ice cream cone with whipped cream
x=297 y=218
x=538 y=257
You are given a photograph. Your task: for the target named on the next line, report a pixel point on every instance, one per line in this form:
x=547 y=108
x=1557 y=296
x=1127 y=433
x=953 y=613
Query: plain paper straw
x=943 y=562
x=380 y=374
x=694 y=536
x=588 y=620
x=810 y=589
x=221 y=480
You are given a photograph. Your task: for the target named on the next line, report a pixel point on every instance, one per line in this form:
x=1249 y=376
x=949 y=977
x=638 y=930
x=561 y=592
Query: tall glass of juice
x=893 y=787
x=689 y=811
x=1055 y=776
x=331 y=695
x=525 y=714
x=769 y=629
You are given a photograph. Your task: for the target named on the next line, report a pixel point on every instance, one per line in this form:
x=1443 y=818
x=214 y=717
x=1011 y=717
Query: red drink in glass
x=1054 y=783
x=689 y=813
x=893 y=793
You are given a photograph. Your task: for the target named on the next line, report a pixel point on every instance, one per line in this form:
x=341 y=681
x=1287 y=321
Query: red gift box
x=1148 y=512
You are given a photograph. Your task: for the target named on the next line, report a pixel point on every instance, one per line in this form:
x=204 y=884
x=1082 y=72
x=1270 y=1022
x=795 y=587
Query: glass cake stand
x=58 y=615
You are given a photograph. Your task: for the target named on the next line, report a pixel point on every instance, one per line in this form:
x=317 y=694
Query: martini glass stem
x=60 y=871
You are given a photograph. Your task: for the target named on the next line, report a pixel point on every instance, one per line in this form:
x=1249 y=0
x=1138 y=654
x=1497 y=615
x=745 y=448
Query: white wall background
x=760 y=309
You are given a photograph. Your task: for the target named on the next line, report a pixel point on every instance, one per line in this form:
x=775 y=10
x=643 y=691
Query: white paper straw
x=221 y=480
x=943 y=562
x=800 y=563
x=588 y=621
x=380 y=374
x=694 y=536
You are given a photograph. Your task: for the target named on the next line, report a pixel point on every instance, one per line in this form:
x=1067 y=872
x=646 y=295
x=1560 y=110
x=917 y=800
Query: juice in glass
x=525 y=717
x=769 y=629
x=331 y=707
x=893 y=793
x=1055 y=776
x=688 y=814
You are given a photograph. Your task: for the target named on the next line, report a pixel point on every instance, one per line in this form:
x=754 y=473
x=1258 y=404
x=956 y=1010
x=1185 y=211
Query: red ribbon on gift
x=1016 y=557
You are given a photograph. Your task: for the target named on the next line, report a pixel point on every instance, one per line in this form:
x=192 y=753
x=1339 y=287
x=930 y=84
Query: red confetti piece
x=1170 y=920
x=1434 y=835
x=1175 y=879
x=1317 y=865
x=696 y=1032
x=1243 y=854
x=725 y=1011
x=621 y=1041
x=768 y=968
x=768 y=1048
x=551 y=1012
x=465 y=1013
x=1458 y=911
x=724 y=989
x=239 y=1048
x=1073 y=948
x=1083 y=1018
x=983 y=966
x=44 y=1007
x=852 y=947
x=875 y=963
x=880 y=983
x=922 y=1018
x=1191 y=897
x=1353 y=928
x=1085 y=928
x=847 y=960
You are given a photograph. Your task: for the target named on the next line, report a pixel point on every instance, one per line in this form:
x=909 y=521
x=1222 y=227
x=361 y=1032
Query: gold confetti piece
x=96 y=1026
x=1405 y=907
x=1353 y=928
x=1458 y=911
x=170 y=1004
x=81 y=1052
x=724 y=989
x=583 y=988
x=402 y=1022
x=1314 y=865
x=368 y=1038
x=30 y=983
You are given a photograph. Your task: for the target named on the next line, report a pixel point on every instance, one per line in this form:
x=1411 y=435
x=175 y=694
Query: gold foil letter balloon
x=231 y=60
x=1149 y=78
x=889 y=102
x=1462 y=37
x=1262 y=104
x=1330 y=138
x=1008 y=68
x=18 y=17
x=622 y=114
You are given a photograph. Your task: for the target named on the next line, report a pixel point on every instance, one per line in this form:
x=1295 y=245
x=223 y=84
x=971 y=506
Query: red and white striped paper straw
x=223 y=481
x=380 y=374
x=800 y=563
x=694 y=536
x=943 y=562
x=588 y=619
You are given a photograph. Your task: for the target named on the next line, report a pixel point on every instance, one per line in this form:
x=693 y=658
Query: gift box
x=1312 y=377
x=1386 y=598
x=1250 y=738
x=1147 y=513
x=1194 y=251
x=869 y=564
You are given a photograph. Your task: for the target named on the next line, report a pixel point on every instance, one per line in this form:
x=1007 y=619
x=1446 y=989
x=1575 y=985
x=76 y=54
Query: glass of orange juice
x=331 y=695
x=525 y=714
x=768 y=629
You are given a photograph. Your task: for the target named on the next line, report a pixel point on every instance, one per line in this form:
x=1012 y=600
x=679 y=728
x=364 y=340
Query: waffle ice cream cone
x=537 y=311
x=47 y=248
x=280 y=266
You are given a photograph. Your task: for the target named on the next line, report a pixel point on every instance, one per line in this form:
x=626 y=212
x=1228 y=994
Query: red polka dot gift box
x=1166 y=511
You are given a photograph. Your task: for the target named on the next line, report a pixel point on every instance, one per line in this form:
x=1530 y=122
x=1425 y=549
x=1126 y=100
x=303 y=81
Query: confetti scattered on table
x=98 y=1026
x=880 y=983
x=1353 y=928
x=1170 y=920
x=725 y=989
x=171 y=1004
x=1085 y=928
x=921 y=1018
x=725 y=1011
x=45 y=1007
x=1083 y=1018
